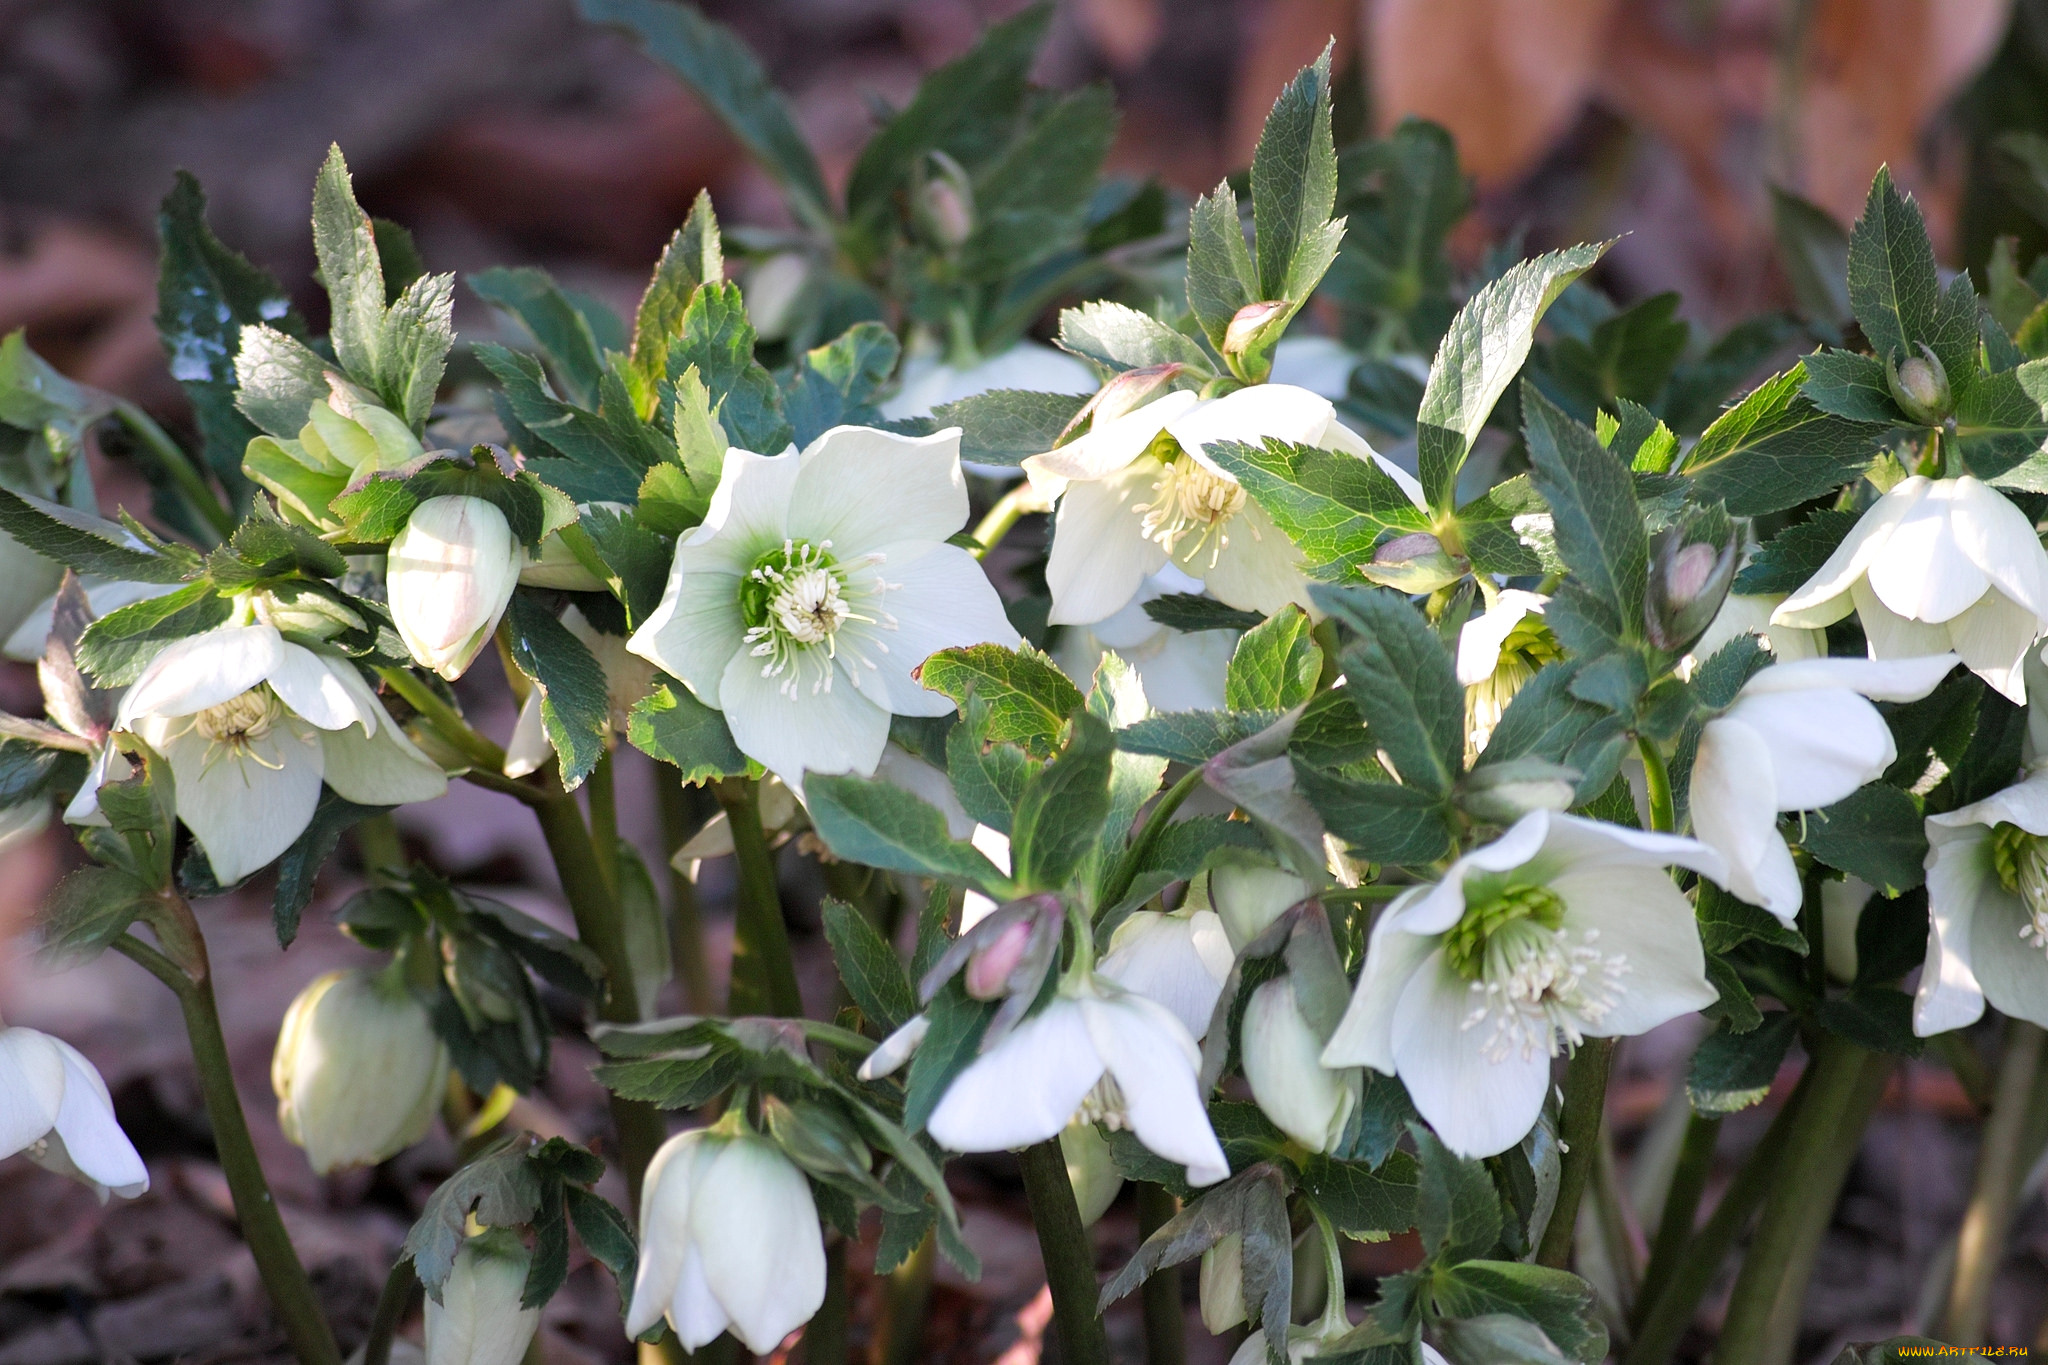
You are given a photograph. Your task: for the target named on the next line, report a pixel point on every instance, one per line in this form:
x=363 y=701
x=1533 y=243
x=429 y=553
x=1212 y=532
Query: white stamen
x=1538 y=989
x=1189 y=499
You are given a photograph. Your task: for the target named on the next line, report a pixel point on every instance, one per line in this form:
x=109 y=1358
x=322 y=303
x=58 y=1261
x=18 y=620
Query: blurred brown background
x=506 y=132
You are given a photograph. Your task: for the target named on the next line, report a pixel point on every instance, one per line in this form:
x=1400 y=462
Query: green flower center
x=1532 y=983
x=2021 y=861
x=1467 y=943
x=794 y=602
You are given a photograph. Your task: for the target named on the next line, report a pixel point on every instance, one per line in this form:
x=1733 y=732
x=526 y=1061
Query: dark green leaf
x=1851 y=385
x=1028 y=698
x=91 y=544
x=1629 y=356
x=1727 y=921
x=836 y=383
x=604 y=454
x=1877 y=1017
x=606 y=1235
x=500 y=1186
x=1275 y=666
x=1598 y=523
x=1191 y=736
x=872 y=971
x=672 y=725
x=1896 y=292
x=89 y=910
x=1363 y=1202
x=1457 y=1206
x=575 y=708
x=868 y=821
x=1399 y=674
x=1220 y=276
x=1334 y=506
x=1732 y=1071
x=1785 y=561
x=1876 y=833
x=1008 y=426
x=299 y=865
x=1294 y=185
x=117 y=647
x=1381 y=821
x=718 y=338
x=950 y=1044
x=1775 y=450
x=1558 y=1302
x=2002 y=419
x=1062 y=809
x=1191 y=612
x=564 y=337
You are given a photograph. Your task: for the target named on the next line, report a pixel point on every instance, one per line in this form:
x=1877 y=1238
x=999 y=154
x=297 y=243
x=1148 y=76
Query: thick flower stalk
x=55 y=1110
x=1936 y=565
x=1562 y=929
x=729 y=1238
x=1800 y=736
x=359 y=1072
x=820 y=581
x=450 y=575
x=1987 y=909
x=1139 y=492
x=252 y=724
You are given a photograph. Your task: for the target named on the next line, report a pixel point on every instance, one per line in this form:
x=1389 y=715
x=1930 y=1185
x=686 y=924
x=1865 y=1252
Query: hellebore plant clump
x=1294 y=840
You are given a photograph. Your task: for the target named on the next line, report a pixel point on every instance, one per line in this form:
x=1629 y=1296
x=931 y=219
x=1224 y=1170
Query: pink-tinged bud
x=1919 y=385
x=1691 y=567
x=988 y=970
x=1133 y=389
x=1692 y=562
x=945 y=203
x=450 y=575
x=1414 y=563
x=1254 y=331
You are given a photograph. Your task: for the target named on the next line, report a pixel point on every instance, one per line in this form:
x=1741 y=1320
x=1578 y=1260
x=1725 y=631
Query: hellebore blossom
x=450 y=575
x=252 y=724
x=1097 y=1051
x=1179 y=670
x=1179 y=959
x=359 y=1072
x=55 y=1110
x=1138 y=492
x=1562 y=929
x=1747 y=614
x=1800 y=736
x=1499 y=650
x=1936 y=565
x=729 y=1238
x=478 y=1319
x=815 y=588
x=1987 y=910
x=627 y=679
x=1248 y=895
x=1091 y=1170
x=1305 y=1099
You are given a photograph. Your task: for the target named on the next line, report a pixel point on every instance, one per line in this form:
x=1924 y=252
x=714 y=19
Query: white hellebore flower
x=1178 y=959
x=1131 y=504
x=1748 y=614
x=252 y=724
x=1800 y=736
x=478 y=1319
x=1305 y=1099
x=729 y=1238
x=1987 y=910
x=1499 y=650
x=1562 y=929
x=1936 y=565
x=450 y=575
x=55 y=1110
x=359 y=1072
x=815 y=588
x=1099 y=1052
x=1180 y=670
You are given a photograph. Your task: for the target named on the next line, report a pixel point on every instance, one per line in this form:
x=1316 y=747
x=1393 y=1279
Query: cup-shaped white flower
x=1987 y=910
x=1097 y=1051
x=1499 y=650
x=478 y=1320
x=1138 y=492
x=1562 y=929
x=450 y=574
x=815 y=588
x=729 y=1238
x=1178 y=959
x=1282 y=1062
x=1179 y=670
x=1936 y=565
x=55 y=1110
x=1800 y=736
x=252 y=724
x=359 y=1072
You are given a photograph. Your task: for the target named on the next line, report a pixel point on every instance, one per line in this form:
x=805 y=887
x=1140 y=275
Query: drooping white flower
x=1131 y=504
x=358 y=1071
x=450 y=574
x=1562 y=929
x=1097 y=1051
x=627 y=679
x=1936 y=565
x=816 y=586
x=928 y=381
x=55 y=1109
x=1179 y=959
x=1750 y=614
x=729 y=1238
x=1282 y=1062
x=252 y=724
x=1499 y=650
x=1179 y=670
x=1800 y=736
x=479 y=1320
x=1987 y=910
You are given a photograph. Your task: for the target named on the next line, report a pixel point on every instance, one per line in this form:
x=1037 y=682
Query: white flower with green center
x=1987 y=910
x=1562 y=929
x=252 y=724
x=817 y=585
x=1139 y=491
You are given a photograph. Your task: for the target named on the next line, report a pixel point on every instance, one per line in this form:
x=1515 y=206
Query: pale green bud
x=944 y=203
x=1919 y=386
x=1249 y=896
x=1222 y=1284
x=478 y=1320
x=358 y=1071
x=1414 y=563
x=1254 y=331
x=450 y=575
x=1282 y=1062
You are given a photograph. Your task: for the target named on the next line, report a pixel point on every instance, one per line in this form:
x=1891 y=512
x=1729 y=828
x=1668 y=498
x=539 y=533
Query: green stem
x=679 y=821
x=2001 y=1165
x=1585 y=1102
x=379 y=845
x=824 y=1340
x=445 y=719
x=1166 y=1322
x=900 y=1330
x=183 y=474
x=1020 y=501
x=604 y=821
x=1126 y=870
x=1681 y=1208
x=392 y=1306
x=1666 y=1316
x=1763 y=1311
x=284 y=1279
x=1959 y=1056
x=598 y=924
x=1068 y=1254
x=1657 y=783
x=763 y=975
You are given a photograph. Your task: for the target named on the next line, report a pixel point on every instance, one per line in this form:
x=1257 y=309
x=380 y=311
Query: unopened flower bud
x=815 y=1137
x=1249 y=896
x=1282 y=1063
x=450 y=576
x=772 y=290
x=988 y=970
x=1502 y=793
x=1253 y=332
x=945 y=203
x=1841 y=913
x=1919 y=386
x=483 y=977
x=1222 y=1284
x=1132 y=390
x=1691 y=565
x=1414 y=563
x=300 y=610
x=358 y=1071
x=479 y=1320
x=1091 y=1170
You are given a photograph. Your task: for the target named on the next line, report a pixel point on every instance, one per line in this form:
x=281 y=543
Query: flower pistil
x=1532 y=984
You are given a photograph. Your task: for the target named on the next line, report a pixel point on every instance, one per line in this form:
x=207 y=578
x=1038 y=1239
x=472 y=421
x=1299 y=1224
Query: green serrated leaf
x=1596 y=518
x=672 y=725
x=1399 y=675
x=1732 y=1071
x=872 y=971
x=1220 y=276
x=1029 y=699
x=1294 y=186
x=575 y=707
x=1119 y=337
x=1876 y=833
x=1061 y=811
x=1336 y=507
x=1008 y=426
x=1895 y=290
x=836 y=383
x=1275 y=665
x=868 y=821
x=530 y=296
x=1457 y=1207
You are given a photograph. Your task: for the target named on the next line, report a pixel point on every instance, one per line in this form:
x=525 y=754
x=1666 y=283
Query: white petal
x=1890 y=635
x=1252 y=414
x=1639 y=914
x=1574 y=839
x=1820 y=600
x=244 y=808
x=749 y=511
x=2001 y=540
x=1992 y=638
x=1100 y=555
x=1106 y=449
x=892 y=1052
x=93 y=1141
x=201 y=671
x=697 y=629
x=31 y=1087
x=1025 y=1088
x=312 y=686
x=1888 y=679
x=665 y=1196
x=938 y=598
x=1734 y=810
x=833 y=729
x=1481 y=637
x=1154 y=1060
x=1825 y=743
x=1477 y=1107
x=695 y=1311
x=1280 y=1051
x=1185 y=671
x=861 y=488
x=2012 y=971
x=1924 y=574
x=754 y=1216
x=386 y=769
x=1435 y=909
x=1255 y=569
x=528 y=748
x=1179 y=961
x=1960 y=880
x=1365 y=1035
